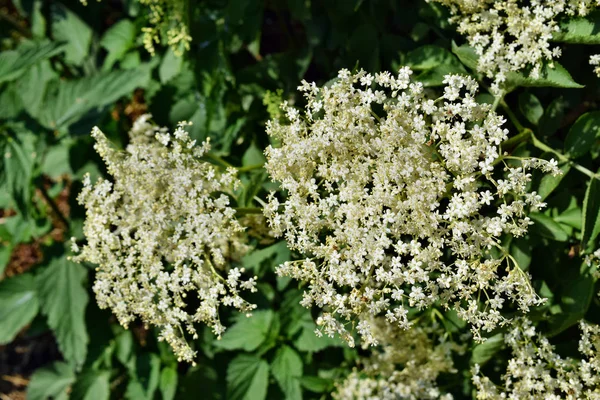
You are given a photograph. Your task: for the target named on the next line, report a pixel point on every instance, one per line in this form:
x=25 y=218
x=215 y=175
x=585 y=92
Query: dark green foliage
x=65 y=68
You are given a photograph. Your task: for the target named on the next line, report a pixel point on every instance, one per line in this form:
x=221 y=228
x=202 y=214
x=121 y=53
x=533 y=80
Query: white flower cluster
x=396 y=201
x=595 y=62
x=536 y=371
x=512 y=35
x=405 y=367
x=161 y=237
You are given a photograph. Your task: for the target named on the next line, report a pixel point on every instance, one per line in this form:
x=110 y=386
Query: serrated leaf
x=556 y=76
x=5 y=253
x=316 y=384
x=483 y=352
x=10 y=101
x=570 y=217
x=248 y=332
x=32 y=85
x=552 y=118
x=170 y=66
x=51 y=382
x=582 y=30
x=14 y=62
x=575 y=298
x=247 y=378
x=548 y=228
x=466 y=55
x=117 y=40
x=253 y=156
x=520 y=249
x=582 y=135
x=279 y=251
x=549 y=182
x=63 y=300
x=310 y=342
x=16 y=171
x=69 y=28
x=92 y=385
x=427 y=57
x=66 y=102
x=287 y=368
x=530 y=107
x=19 y=305
x=435 y=76
x=590 y=221
x=168 y=383
x=145 y=377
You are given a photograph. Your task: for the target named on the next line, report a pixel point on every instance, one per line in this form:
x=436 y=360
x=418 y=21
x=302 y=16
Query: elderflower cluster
x=161 y=235
x=396 y=200
x=406 y=366
x=536 y=371
x=595 y=62
x=168 y=22
x=513 y=35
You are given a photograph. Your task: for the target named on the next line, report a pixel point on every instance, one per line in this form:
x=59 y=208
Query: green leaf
x=253 y=156
x=33 y=83
x=92 y=385
x=308 y=339
x=530 y=107
x=247 y=378
x=168 y=383
x=583 y=30
x=19 y=305
x=428 y=57
x=55 y=160
x=575 y=298
x=590 y=221
x=435 y=76
x=63 y=301
x=145 y=377
x=552 y=118
x=51 y=382
x=117 y=40
x=557 y=76
x=287 y=369
x=170 y=66
x=520 y=249
x=5 y=253
x=253 y=260
x=10 y=101
x=66 y=102
x=16 y=172
x=466 y=55
x=548 y=228
x=549 y=182
x=316 y=384
x=69 y=28
x=248 y=333
x=582 y=135
x=483 y=352
x=13 y=63
x=571 y=217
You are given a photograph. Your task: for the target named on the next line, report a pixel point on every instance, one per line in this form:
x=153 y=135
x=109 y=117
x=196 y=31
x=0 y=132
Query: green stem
x=542 y=146
x=526 y=134
x=218 y=160
x=513 y=118
x=53 y=205
x=517 y=139
x=250 y=167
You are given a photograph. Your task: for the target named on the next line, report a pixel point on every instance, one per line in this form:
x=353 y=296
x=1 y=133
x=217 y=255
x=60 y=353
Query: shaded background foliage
x=65 y=67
